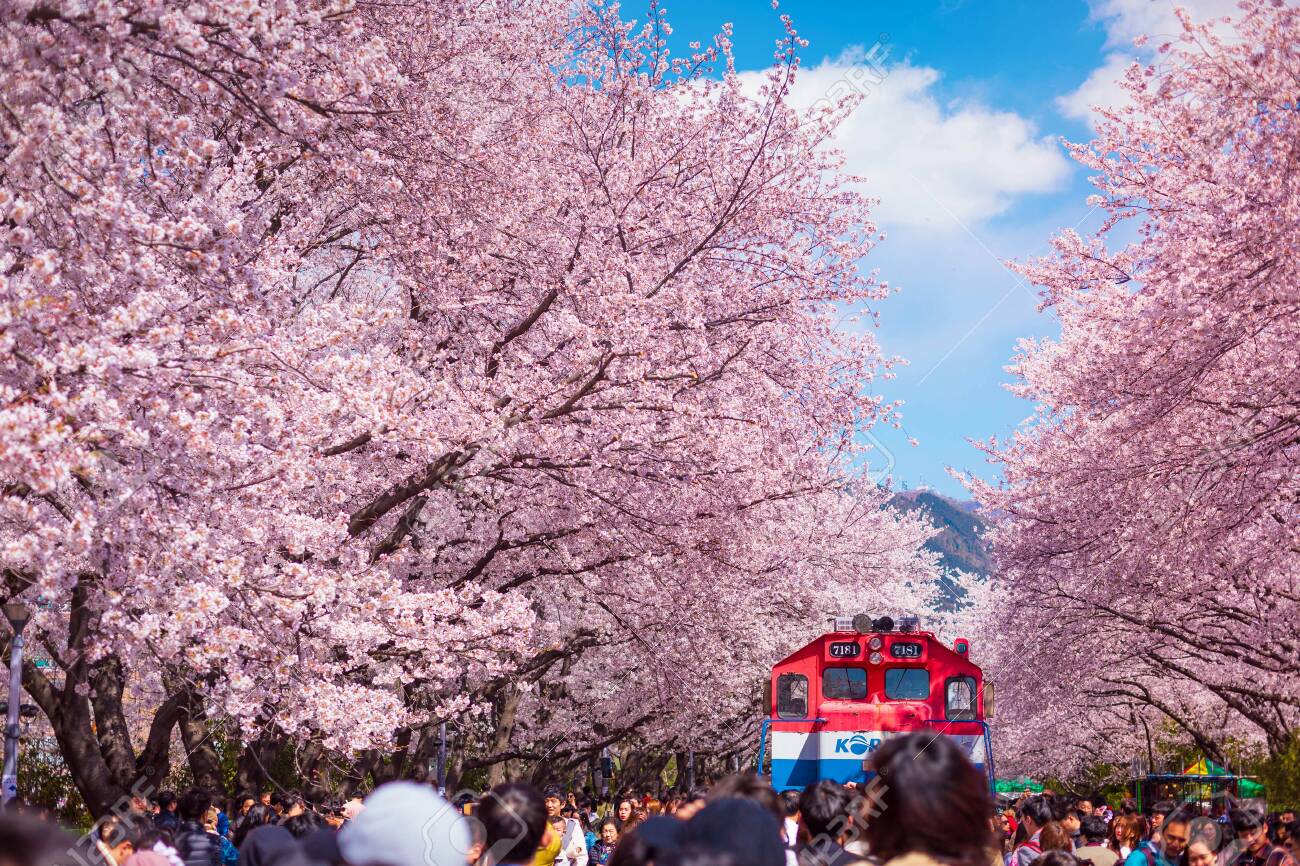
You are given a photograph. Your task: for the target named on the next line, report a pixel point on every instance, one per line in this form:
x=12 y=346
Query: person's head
x=1093 y=830
x=1175 y=834
x=553 y=802
x=1199 y=853
x=243 y=803
x=405 y=824
x=739 y=827
x=749 y=786
x=824 y=812
x=1035 y=813
x=166 y=801
x=931 y=799
x=790 y=803
x=265 y=798
x=210 y=819
x=1057 y=858
x=1083 y=806
x=625 y=810
x=1159 y=812
x=140 y=804
x=120 y=836
x=258 y=816
x=514 y=821
x=1249 y=827
x=194 y=804
x=1054 y=838
x=26 y=840
x=1287 y=817
x=303 y=823
x=1126 y=831
x=1070 y=821
x=608 y=832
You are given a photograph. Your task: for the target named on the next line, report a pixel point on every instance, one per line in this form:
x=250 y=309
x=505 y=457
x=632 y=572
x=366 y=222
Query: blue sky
x=958 y=135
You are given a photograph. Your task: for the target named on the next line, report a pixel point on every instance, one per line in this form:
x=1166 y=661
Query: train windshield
x=907 y=684
x=844 y=684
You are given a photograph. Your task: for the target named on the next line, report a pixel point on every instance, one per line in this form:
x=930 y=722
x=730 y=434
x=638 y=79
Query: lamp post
x=17 y=614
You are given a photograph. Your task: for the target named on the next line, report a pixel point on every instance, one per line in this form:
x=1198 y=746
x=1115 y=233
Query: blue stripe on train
x=790 y=773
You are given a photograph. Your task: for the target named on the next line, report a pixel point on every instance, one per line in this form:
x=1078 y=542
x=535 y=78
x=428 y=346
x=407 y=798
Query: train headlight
x=875 y=643
x=876 y=658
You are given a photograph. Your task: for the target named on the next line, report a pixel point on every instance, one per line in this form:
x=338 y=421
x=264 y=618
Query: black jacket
x=197 y=846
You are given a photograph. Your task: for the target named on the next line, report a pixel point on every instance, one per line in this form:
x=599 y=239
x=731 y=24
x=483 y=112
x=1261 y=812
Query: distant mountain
x=960 y=542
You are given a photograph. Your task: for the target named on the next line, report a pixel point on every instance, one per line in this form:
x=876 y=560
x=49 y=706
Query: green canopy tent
x=1017 y=786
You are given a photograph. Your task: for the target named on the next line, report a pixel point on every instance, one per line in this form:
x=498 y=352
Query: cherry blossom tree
x=372 y=367
x=1150 y=546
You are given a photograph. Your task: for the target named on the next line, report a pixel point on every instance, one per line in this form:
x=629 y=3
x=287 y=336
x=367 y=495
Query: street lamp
x=17 y=614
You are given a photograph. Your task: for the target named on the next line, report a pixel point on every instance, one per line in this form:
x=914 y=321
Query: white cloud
x=931 y=164
x=1125 y=20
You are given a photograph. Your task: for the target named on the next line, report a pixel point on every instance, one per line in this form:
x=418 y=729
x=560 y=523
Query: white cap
x=405 y=824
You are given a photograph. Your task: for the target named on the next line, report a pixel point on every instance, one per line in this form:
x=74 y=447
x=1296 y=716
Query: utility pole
x=17 y=614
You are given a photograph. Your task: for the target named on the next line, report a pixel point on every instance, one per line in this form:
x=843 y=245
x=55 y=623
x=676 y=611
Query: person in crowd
x=514 y=822
x=790 y=825
x=1166 y=848
x=1126 y=831
x=623 y=813
x=739 y=827
x=1058 y=858
x=1200 y=852
x=933 y=805
x=195 y=845
x=29 y=841
x=573 y=845
x=404 y=824
x=1159 y=812
x=243 y=803
x=1053 y=837
x=166 y=817
x=826 y=822
x=302 y=824
x=116 y=838
x=258 y=816
x=266 y=845
x=603 y=848
x=1092 y=831
x=1252 y=846
x=1034 y=813
x=1084 y=806
x=229 y=853
x=1071 y=822
x=749 y=786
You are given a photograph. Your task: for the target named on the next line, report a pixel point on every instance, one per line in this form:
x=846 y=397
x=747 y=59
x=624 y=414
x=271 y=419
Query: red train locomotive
x=832 y=702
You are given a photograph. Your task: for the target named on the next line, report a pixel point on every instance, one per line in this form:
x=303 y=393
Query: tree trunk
x=505 y=728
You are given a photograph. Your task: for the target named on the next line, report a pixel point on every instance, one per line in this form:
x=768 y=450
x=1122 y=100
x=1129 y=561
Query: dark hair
x=1162 y=807
x=1245 y=819
x=824 y=809
x=194 y=804
x=1057 y=858
x=165 y=799
x=790 y=802
x=932 y=800
x=699 y=792
x=258 y=816
x=1036 y=809
x=695 y=855
x=631 y=850
x=301 y=825
x=513 y=815
x=30 y=841
x=1093 y=829
x=749 y=786
x=1054 y=838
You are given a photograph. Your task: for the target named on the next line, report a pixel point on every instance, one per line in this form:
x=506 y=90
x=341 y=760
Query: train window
x=907 y=684
x=844 y=684
x=792 y=696
x=959 y=699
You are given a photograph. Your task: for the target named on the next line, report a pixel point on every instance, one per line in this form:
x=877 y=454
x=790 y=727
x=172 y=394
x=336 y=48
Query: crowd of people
x=926 y=806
